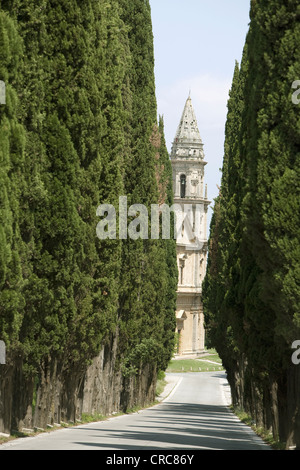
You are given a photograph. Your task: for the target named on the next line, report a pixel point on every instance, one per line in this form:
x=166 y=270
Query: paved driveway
x=194 y=416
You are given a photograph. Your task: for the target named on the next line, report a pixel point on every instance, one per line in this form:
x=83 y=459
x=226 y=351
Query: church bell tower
x=190 y=198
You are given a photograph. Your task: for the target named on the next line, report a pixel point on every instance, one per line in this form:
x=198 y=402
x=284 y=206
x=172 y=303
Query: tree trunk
x=45 y=397
x=22 y=397
x=293 y=408
x=274 y=408
x=6 y=391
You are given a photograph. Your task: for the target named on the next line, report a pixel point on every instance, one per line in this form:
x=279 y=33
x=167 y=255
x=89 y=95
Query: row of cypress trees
x=251 y=292
x=79 y=129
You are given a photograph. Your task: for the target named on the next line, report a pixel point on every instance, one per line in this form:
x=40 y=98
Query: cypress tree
x=221 y=297
x=275 y=38
x=13 y=263
x=88 y=108
x=262 y=293
x=168 y=327
x=74 y=78
x=139 y=309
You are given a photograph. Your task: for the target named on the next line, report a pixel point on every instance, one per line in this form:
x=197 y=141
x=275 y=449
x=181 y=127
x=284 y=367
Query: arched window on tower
x=182 y=186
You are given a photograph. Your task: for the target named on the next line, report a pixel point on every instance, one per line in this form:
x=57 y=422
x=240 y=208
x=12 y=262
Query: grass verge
x=206 y=363
x=266 y=435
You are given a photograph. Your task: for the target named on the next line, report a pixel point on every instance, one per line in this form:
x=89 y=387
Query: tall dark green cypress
x=73 y=82
x=276 y=33
x=221 y=298
x=143 y=276
x=88 y=109
x=169 y=324
x=261 y=245
x=13 y=252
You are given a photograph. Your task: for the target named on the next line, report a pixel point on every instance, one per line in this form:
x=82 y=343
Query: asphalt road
x=194 y=415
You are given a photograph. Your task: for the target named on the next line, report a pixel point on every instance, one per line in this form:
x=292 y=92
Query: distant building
x=190 y=194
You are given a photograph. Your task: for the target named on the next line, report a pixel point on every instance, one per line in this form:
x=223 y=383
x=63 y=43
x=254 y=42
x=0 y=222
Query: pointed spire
x=188 y=128
x=187 y=136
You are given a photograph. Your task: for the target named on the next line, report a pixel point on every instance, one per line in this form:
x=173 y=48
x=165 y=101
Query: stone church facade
x=190 y=200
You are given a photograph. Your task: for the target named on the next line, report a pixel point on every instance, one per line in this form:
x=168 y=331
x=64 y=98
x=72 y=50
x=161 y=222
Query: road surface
x=194 y=416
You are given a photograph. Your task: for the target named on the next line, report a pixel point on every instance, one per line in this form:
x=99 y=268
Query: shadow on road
x=180 y=426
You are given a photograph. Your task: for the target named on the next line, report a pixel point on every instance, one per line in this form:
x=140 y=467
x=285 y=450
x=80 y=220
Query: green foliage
x=251 y=291
x=147 y=287
x=79 y=130
x=12 y=186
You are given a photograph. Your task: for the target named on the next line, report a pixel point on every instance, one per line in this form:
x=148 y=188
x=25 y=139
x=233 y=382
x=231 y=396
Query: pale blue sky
x=196 y=43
